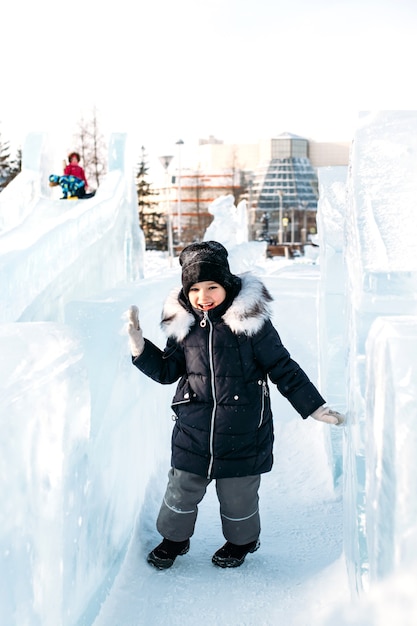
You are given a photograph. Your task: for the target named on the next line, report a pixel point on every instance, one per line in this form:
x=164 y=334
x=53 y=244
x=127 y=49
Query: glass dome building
x=284 y=193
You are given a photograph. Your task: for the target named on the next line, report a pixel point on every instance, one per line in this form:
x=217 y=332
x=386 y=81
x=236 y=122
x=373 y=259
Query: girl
x=222 y=347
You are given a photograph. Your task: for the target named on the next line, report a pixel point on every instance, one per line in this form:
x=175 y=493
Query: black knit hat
x=205 y=261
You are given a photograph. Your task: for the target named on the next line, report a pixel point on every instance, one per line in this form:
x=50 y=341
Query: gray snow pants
x=238 y=498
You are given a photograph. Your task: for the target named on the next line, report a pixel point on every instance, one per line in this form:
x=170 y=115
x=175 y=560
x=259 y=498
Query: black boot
x=232 y=555
x=164 y=555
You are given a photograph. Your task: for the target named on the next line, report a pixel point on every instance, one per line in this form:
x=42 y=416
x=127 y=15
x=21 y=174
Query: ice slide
x=44 y=241
x=62 y=530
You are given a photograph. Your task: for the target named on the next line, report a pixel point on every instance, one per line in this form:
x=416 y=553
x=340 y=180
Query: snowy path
x=297 y=575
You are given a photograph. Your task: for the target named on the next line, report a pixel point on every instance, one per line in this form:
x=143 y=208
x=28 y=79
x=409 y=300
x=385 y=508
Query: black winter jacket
x=222 y=359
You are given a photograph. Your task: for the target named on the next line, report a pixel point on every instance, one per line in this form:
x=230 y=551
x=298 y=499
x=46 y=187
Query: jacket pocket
x=183 y=395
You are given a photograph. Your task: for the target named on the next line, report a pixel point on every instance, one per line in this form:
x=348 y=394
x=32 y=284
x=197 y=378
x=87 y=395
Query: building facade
x=190 y=198
x=277 y=177
x=284 y=193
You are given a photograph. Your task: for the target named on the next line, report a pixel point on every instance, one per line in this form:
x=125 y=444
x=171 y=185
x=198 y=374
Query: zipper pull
x=265 y=388
x=203 y=322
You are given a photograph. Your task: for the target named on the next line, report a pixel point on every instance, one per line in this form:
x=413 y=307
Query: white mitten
x=325 y=414
x=136 y=341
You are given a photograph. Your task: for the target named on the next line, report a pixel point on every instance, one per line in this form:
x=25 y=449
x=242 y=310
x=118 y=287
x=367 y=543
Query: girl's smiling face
x=206 y=295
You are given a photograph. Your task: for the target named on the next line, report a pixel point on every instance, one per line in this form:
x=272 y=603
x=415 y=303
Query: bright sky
x=240 y=70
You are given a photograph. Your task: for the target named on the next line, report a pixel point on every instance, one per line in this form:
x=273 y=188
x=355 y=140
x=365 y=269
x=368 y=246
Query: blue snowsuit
x=71 y=185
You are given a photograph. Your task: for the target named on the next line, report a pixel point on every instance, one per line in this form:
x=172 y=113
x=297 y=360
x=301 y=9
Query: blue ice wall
x=391 y=434
x=63 y=524
x=369 y=249
x=331 y=301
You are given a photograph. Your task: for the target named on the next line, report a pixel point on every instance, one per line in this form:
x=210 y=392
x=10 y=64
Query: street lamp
x=304 y=204
x=251 y=213
x=165 y=161
x=292 y=224
x=179 y=143
x=280 y=194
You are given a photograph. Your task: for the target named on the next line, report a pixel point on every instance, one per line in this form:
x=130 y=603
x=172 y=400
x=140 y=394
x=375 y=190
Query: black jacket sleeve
x=165 y=366
x=292 y=382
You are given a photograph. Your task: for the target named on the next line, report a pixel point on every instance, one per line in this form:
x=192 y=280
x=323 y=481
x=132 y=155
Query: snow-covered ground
x=85 y=437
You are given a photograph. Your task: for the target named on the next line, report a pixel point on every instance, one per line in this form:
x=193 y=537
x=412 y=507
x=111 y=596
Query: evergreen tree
x=92 y=148
x=152 y=222
x=4 y=162
x=15 y=166
x=8 y=168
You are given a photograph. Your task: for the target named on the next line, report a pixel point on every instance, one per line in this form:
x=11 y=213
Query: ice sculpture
x=230 y=227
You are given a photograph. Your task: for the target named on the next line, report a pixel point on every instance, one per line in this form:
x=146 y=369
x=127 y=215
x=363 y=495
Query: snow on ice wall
x=380 y=278
x=63 y=525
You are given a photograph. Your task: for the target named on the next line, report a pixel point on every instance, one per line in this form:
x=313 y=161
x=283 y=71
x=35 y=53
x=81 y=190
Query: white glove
x=136 y=341
x=325 y=414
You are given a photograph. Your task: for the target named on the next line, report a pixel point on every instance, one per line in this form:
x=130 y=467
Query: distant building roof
x=289 y=136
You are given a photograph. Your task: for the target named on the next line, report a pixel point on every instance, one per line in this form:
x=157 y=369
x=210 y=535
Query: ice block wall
x=391 y=451
x=45 y=425
x=381 y=269
x=65 y=378
x=331 y=301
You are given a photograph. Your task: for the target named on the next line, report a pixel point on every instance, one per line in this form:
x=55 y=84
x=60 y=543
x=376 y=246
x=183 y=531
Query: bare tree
x=239 y=181
x=91 y=147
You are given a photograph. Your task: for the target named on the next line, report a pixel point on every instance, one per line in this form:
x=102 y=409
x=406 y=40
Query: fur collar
x=246 y=315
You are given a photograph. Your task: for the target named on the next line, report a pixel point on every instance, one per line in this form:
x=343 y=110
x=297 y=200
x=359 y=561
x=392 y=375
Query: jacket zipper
x=203 y=324
x=264 y=395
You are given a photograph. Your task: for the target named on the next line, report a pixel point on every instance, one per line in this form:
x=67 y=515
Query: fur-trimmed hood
x=246 y=315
